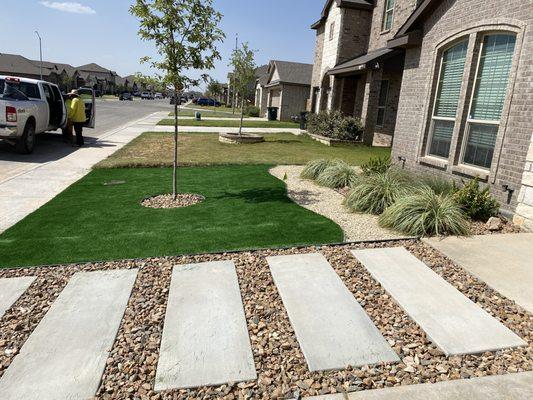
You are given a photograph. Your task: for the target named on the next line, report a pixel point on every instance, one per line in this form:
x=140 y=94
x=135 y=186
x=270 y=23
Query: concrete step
x=10 y=291
x=332 y=328
x=503 y=387
x=205 y=337
x=65 y=356
x=453 y=322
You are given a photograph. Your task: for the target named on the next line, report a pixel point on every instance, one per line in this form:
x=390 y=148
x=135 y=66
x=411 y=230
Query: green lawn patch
x=245 y=208
x=213 y=108
x=207 y=113
x=231 y=123
x=156 y=150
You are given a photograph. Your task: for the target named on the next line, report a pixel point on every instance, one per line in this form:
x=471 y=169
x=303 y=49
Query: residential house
x=447 y=82
x=97 y=77
x=287 y=87
x=260 y=93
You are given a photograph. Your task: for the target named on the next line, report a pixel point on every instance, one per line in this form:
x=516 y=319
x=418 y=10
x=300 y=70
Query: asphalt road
x=110 y=114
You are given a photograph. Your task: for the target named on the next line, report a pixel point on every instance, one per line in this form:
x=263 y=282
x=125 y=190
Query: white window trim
x=384 y=29
x=384 y=107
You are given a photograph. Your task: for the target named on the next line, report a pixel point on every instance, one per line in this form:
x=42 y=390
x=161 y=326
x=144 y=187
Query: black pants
x=78 y=128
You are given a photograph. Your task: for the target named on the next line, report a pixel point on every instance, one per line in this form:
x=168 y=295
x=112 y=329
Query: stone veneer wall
x=524 y=210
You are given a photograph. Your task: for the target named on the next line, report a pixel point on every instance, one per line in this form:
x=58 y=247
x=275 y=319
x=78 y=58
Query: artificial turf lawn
x=245 y=208
x=230 y=123
x=156 y=149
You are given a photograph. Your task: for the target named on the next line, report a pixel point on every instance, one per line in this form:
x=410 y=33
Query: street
x=110 y=115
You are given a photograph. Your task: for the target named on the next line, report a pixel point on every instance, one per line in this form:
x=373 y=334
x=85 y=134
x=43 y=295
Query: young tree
x=243 y=64
x=214 y=89
x=185 y=33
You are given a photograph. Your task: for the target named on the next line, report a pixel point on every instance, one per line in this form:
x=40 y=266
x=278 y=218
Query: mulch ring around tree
x=167 y=201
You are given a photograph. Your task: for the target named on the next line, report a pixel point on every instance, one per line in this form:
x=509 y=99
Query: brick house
x=287 y=87
x=449 y=82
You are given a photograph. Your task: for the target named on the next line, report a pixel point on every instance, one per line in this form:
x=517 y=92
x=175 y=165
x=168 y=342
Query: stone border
x=333 y=142
x=244 y=138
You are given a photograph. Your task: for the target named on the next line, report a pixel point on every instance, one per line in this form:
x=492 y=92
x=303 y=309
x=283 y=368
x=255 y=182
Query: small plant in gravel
x=314 y=168
x=425 y=213
x=337 y=176
x=477 y=203
x=376 y=165
x=375 y=192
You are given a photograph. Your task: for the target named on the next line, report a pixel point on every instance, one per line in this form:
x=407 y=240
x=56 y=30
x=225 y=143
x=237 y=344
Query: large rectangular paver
x=11 y=289
x=453 y=322
x=66 y=354
x=332 y=328
x=504 y=262
x=205 y=338
x=503 y=387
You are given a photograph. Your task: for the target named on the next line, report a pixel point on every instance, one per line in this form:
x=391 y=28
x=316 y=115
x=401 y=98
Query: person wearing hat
x=76 y=113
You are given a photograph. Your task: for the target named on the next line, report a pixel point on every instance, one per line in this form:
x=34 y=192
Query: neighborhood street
x=110 y=115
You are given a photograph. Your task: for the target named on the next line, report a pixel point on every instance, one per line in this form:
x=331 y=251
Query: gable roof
x=13 y=64
x=290 y=72
x=55 y=67
x=356 y=4
x=423 y=9
x=261 y=74
x=93 y=67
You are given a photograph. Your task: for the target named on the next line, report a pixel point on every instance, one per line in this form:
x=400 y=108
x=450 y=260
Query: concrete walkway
x=502 y=387
x=24 y=193
x=504 y=262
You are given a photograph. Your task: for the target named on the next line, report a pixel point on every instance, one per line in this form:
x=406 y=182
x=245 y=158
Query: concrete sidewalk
x=22 y=194
x=503 y=387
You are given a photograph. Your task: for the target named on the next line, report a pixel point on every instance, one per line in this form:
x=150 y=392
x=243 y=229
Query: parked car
x=158 y=96
x=147 y=96
x=29 y=107
x=126 y=96
x=136 y=94
x=204 y=101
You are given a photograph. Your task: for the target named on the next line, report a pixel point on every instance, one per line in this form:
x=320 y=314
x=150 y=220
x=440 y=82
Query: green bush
x=337 y=176
x=253 y=111
x=477 y=203
x=375 y=192
x=335 y=125
x=425 y=213
x=315 y=167
x=375 y=165
x=438 y=184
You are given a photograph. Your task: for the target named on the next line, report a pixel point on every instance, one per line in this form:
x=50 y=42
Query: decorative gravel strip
x=328 y=202
x=281 y=367
x=167 y=201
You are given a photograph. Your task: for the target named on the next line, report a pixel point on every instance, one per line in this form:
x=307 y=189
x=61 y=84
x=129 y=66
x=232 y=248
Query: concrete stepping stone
x=453 y=322
x=65 y=356
x=332 y=328
x=205 y=337
x=11 y=289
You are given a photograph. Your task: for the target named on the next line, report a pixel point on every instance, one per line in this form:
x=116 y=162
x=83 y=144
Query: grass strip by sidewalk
x=245 y=208
x=230 y=123
x=207 y=113
x=155 y=150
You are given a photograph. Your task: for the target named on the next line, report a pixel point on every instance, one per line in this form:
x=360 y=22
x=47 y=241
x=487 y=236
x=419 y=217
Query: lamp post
x=234 y=100
x=40 y=54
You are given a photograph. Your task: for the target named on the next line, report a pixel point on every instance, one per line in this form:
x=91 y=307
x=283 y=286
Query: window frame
x=469 y=121
x=384 y=106
x=331 y=31
x=432 y=117
x=386 y=10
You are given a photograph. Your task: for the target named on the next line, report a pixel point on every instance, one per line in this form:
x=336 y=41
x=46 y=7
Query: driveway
x=110 y=115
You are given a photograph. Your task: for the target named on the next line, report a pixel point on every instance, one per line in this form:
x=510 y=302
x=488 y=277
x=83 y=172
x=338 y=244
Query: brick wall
x=293 y=101
x=402 y=10
x=454 y=19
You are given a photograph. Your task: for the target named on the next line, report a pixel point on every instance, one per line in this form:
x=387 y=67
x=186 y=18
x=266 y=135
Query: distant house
x=288 y=86
x=97 y=77
x=261 y=94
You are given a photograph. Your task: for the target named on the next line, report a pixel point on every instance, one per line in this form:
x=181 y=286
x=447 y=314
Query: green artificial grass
x=230 y=123
x=156 y=150
x=245 y=208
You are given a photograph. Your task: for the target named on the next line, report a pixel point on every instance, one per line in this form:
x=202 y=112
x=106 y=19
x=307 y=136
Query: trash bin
x=303 y=120
x=198 y=116
x=272 y=113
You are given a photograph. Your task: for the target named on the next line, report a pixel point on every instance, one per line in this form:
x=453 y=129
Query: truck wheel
x=26 y=143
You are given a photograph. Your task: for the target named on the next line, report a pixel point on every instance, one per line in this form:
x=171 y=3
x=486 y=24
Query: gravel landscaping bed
x=281 y=367
x=328 y=203
x=167 y=201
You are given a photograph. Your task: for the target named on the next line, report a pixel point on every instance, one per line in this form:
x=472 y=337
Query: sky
x=78 y=32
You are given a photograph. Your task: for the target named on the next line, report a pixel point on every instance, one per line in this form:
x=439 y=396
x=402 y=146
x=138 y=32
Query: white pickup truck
x=29 y=107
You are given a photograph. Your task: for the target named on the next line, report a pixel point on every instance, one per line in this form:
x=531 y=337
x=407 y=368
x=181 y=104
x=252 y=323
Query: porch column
x=370 y=103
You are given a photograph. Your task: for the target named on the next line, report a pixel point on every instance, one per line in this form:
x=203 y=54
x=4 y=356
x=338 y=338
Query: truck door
x=88 y=97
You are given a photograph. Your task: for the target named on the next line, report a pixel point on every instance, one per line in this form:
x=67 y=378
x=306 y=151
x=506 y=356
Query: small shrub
x=376 y=165
x=335 y=125
x=477 y=203
x=438 y=184
x=425 y=213
x=337 y=176
x=253 y=111
x=314 y=168
x=375 y=192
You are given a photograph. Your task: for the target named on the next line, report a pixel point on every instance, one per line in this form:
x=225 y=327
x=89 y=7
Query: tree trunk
x=175 y=165
x=242 y=116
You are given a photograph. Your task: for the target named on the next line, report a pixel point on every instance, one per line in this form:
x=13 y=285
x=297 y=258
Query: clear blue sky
x=102 y=31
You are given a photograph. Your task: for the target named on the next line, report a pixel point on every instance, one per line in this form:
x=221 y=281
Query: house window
x=446 y=100
x=486 y=105
x=382 y=103
x=388 y=15
x=331 y=30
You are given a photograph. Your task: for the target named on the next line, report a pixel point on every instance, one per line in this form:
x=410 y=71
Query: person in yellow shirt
x=76 y=113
